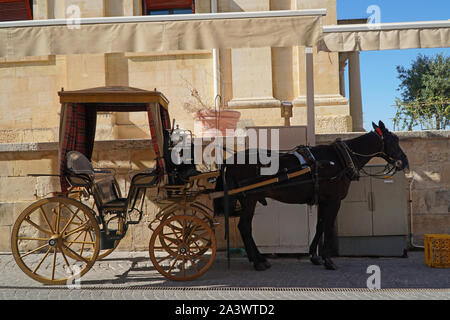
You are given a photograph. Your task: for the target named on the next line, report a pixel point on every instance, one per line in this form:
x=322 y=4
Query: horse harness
x=343 y=152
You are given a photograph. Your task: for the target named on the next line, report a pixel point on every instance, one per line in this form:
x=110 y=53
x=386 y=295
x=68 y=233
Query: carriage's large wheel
x=56 y=240
x=189 y=251
x=188 y=209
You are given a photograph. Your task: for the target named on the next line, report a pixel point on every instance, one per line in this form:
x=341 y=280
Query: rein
x=381 y=175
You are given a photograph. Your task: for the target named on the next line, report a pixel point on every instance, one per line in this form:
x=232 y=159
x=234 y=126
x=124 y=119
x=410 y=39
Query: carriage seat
x=101 y=182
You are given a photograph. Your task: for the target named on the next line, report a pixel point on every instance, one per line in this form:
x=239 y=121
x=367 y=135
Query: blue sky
x=378 y=68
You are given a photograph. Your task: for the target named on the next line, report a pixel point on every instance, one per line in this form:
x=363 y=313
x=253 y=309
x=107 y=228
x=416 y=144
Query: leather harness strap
x=351 y=170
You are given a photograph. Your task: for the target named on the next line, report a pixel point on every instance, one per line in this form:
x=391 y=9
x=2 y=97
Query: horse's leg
x=331 y=209
x=314 y=257
x=245 y=228
x=260 y=258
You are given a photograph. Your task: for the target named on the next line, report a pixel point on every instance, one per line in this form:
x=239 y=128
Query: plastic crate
x=437 y=250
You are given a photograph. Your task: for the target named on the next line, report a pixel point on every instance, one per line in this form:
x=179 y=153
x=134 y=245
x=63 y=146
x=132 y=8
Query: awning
x=161 y=33
x=385 y=36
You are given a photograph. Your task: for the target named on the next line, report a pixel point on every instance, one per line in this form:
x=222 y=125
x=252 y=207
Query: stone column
x=252 y=84
x=355 y=92
x=342 y=64
x=40 y=10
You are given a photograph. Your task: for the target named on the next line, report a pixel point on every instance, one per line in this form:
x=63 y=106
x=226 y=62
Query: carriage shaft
x=221 y=194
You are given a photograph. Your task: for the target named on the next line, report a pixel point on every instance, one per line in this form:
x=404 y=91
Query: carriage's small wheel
x=192 y=248
x=56 y=240
x=188 y=209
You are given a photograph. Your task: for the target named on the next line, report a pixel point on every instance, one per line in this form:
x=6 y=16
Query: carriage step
x=107 y=241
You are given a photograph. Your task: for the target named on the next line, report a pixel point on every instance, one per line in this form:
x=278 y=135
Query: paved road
x=131 y=275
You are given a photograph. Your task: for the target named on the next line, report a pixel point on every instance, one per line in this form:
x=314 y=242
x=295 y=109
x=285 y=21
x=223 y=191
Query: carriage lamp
x=286 y=112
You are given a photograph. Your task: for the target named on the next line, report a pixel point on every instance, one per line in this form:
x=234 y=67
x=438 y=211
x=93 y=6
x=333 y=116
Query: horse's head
x=391 y=152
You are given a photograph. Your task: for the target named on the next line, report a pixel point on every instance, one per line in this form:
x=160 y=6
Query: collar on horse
x=343 y=152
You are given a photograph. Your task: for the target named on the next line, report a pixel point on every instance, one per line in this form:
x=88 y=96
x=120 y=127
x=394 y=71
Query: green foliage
x=425 y=91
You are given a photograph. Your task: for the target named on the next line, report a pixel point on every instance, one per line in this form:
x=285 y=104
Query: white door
x=282 y=228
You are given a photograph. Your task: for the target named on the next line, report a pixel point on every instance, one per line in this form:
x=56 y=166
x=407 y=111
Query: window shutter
x=169 y=4
x=12 y=10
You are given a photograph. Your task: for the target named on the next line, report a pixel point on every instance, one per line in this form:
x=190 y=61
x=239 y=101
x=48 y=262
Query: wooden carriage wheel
x=194 y=209
x=189 y=251
x=56 y=240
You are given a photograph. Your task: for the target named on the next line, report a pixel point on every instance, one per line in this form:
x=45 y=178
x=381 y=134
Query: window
x=159 y=7
x=12 y=10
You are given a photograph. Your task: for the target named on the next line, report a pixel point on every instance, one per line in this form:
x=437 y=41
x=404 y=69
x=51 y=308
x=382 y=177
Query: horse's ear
x=381 y=125
x=377 y=129
x=374 y=126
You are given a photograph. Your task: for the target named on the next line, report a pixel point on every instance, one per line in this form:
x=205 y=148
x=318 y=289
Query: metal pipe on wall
x=216 y=66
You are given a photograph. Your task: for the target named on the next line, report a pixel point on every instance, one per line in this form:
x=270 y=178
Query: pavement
x=131 y=276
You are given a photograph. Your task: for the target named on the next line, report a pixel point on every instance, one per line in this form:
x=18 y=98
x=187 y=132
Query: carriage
x=59 y=238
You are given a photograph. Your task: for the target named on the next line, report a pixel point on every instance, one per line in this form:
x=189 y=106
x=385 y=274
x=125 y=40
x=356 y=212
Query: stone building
x=253 y=81
x=247 y=79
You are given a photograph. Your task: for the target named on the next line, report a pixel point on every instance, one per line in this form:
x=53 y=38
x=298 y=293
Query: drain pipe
x=215 y=58
x=411 y=234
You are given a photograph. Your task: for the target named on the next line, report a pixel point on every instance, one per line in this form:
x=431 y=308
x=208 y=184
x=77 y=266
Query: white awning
x=385 y=36
x=161 y=33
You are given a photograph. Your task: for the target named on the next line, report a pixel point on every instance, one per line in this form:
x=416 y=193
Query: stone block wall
x=428 y=153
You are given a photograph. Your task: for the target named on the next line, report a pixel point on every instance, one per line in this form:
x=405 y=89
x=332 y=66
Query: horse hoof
x=267 y=264
x=316 y=260
x=329 y=265
x=260 y=266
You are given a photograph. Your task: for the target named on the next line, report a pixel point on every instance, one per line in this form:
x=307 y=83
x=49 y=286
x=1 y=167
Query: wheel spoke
x=200 y=236
x=193 y=263
x=34 y=250
x=33 y=239
x=54 y=262
x=183 y=266
x=79 y=229
x=76 y=254
x=80 y=242
x=163 y=259
x=27 y=219
x=70 y=220
x=46 y=219
x=67 y=262
x=176 y=234
x=173 y=264
x=42 y=260
x=191 y=232
x=174 y=241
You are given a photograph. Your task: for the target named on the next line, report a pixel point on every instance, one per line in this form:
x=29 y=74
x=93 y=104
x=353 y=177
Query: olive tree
x=425 y=92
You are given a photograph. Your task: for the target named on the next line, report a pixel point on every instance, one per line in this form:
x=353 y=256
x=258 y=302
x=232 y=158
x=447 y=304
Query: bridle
x=391 y=167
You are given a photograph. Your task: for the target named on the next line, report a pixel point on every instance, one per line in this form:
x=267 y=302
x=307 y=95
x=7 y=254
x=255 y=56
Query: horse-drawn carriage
x=59 y=238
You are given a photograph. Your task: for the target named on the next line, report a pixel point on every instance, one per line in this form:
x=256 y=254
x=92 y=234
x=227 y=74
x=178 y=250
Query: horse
x=327 y=184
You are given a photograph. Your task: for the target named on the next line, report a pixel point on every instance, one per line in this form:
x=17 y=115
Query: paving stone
x=131 y=276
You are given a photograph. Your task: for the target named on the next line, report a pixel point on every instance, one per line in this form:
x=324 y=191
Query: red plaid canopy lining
x=78 y=125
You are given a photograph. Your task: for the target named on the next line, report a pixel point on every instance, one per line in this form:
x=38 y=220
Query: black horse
x=333 y=168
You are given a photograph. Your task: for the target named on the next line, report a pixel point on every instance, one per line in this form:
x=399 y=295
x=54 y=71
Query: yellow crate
x=437 y=250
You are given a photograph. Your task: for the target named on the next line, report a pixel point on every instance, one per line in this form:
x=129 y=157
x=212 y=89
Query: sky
x=379 y=80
